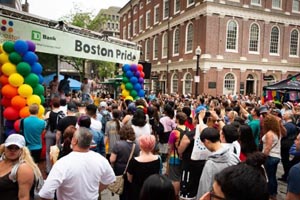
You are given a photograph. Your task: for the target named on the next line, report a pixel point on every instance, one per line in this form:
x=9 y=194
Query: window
x=175 y=83
x=141 y=5
x=190 y=2
x=124 y=33
x=155 y=48
x=148 y=1
x=254 y=38
x=141 y=24
x=294 y=43
x=129 y=30
x=166 y=9
x=176 y=6
x=274 y=43
x=135 y=9
x=231 y=43
x=187 y=84
x=117 y=26
x=129 y=14
x=108 y=25
x=148 y=19
x=135 y=27
x=112 y=25
x=109 y=17
x=189 y=38
x=176 y=42
x=276 y=3
x=147 y=47
x=113 y=17
x=296 y=7
x=255 y=2
x=229 y=84
x=156 y=14
x=124 y=18
x=117 y=18
x=165 y=45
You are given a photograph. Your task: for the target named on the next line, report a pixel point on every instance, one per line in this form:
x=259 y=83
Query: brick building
x=246 y=44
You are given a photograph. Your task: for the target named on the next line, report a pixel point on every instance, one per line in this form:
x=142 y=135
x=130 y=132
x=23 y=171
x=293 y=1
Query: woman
x=189 y=121
x=67 y=136
x=120 y=154
x=139 y=124
x=247 y=142
x=14 y=153
x=112 y=130
x=141 y=167
x=245 y=181
x=271 y=148
x=131 y=108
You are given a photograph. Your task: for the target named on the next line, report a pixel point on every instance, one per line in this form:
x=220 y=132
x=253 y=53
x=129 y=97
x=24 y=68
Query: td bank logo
x=36 y=35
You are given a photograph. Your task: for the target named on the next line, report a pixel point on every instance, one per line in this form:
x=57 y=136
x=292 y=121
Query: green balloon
x=133 y=93
x=23 y=68
x=42 y=99
x=15 y=58
x=125 y=80
x=8 y=46
x=32 y=80
x=39 y=90
x=128 y=86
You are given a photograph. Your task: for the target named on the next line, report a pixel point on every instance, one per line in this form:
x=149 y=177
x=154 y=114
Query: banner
x=58 y=42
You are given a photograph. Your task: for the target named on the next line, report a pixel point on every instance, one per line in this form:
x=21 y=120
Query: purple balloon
x=31 y=46
x=133 y=67
x=137 y=74
x=141 y=80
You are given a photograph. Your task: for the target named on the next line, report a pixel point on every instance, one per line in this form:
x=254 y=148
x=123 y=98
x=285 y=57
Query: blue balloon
x=133 y=67
x=137 y=74
x=129 y=74
x=41 y=79
x=30 y=57
x=133 y=80
x=36 y=68
x=141 y=80
x=137 y=86
x=21 y=47
x=141 y=93
x=126 y=68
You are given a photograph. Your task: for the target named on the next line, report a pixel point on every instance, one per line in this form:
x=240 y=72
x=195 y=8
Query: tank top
x=8 y=188
x=275 y=149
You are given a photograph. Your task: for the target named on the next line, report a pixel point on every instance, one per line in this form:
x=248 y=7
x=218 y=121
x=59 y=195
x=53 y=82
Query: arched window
x=176 y=42
x=250 y=77
x=254 y=38
x=274 y=43
x=147 y=48
x=175 y=83
x=187 y=83
x=165 y=45
x=229 y=83
x=231 y=43
x=155 y=48
x=189 y=38
x=294 y=43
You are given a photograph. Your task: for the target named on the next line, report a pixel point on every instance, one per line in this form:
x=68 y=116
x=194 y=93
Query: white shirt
x=96 y=124
x=77 y=177
x=139 y=131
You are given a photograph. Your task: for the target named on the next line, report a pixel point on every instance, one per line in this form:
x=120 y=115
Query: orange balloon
x=3 y=80
x=24 y=112
x=9 y=91
x=18 y=102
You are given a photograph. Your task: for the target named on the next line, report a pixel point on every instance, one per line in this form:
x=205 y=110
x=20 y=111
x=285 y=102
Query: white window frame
x=135 y=9
x=258 y=40
x=188 y=4
x=135 y=31
x=165 y=2
x=148 y=1
x=141 y=6
x=124 y=18
x=148 y=18
x=174 y=34
x=278 y=47
x=186 y=38
x=141 y=24
x=236 y=39
x=297 y=49
x=225 y=90
x=156 y=12
x=128 y=31
x=172 y=82
x=175 y=12
x=255 y=3
x=164 y=49
x=280 y=6
x=155 y=48
x=125 y=32
x=129 y=14
x=147 y=49
x=298 y=9
x=187 y=83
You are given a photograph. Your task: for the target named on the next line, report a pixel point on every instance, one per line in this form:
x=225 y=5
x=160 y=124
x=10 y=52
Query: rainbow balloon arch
x=21 y=82
x=133 y=82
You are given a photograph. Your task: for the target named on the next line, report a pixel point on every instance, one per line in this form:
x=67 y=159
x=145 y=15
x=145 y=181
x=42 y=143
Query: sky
x=55 y=9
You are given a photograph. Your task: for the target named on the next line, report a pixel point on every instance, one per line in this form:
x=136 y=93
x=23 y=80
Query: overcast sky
x=54 y=9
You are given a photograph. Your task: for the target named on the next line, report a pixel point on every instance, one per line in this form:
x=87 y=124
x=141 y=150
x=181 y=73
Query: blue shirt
x=294 y=179
x=33 y=128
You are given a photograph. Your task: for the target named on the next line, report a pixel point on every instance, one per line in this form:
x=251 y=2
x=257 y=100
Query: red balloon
x=18 y=102
x=6 y=102
x=17 y=125
x=3 y=80
x=142 y=74
x=9 y=91
x=11 y=113
x=140 y=67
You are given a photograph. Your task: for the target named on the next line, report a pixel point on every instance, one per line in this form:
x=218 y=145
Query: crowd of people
x=166 y=147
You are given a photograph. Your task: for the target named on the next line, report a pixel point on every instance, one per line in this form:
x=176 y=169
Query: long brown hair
x=271 y=124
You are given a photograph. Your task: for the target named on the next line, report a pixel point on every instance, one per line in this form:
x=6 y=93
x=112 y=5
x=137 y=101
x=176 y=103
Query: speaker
x=146 y=68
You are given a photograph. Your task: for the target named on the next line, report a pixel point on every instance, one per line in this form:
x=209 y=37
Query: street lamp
x=197 y=78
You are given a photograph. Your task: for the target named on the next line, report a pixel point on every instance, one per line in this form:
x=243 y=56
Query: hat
x=131 y=107
x=288 y=104
x=263 y=109
x=276 y=111
x=199 y=109
x=72 y=107
x=103 y=104
x=15 y=139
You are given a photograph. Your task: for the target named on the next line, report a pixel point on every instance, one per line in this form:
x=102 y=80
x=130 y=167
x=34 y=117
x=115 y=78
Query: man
x=54 y=87
x=229 y=137
x=220 y=158
x=80 y=175
x=91 y=111
x=64 y=87
x=103 y=115
x=294 y=178
x=86 y=90
x=32 y=129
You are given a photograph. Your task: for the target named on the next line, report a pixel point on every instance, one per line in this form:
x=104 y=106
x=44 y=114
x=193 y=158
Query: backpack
x=105 y=118
x=58 y=117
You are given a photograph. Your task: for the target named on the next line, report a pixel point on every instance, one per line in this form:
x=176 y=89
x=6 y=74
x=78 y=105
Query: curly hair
x=271 y=124
x=127 y=133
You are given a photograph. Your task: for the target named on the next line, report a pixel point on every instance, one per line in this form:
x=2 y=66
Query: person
x=16 y=156
x=229 y=137
x=103 y=115
x=54 y=87
x=67 y=138
x=120 y=154
x=86 y=87
x=189 y=121
x=131 y=108
x=220 y=158
x=64 y=87
x=139 y=124
x=141 y=167
x=82 y=174
x=96 y=125
x=245 y=181
x=293 y=189
x=157 y=187
x=33 y=128
x=246 y=139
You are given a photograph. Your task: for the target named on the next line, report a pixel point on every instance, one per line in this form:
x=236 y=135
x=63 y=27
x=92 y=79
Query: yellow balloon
x=129 y=98
x=9 y=68
x=41 y=111
x=16 y=79
x=33 y=99
x=25 y=90
x=1 y=48
x=125 y=93
x=3 y=57
x=122 y=86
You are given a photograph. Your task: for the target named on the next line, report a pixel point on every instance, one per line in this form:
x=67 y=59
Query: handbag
x=117 y=187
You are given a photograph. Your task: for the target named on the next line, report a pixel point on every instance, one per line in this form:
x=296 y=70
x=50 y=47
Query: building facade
x=245 y=44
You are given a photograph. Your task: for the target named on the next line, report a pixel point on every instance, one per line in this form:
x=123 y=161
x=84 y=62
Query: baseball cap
x=199 y=109
x=263 y=109
x=15 y=139
x=103 y=104
x=289 y=105
x=276 y=111
x=72 y=107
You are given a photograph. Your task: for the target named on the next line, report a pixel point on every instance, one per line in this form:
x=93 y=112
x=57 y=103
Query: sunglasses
x=213 y=196
x=13 y=148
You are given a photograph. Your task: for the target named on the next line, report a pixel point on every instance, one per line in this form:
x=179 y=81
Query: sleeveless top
x=8 y=188
x=275 y=149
